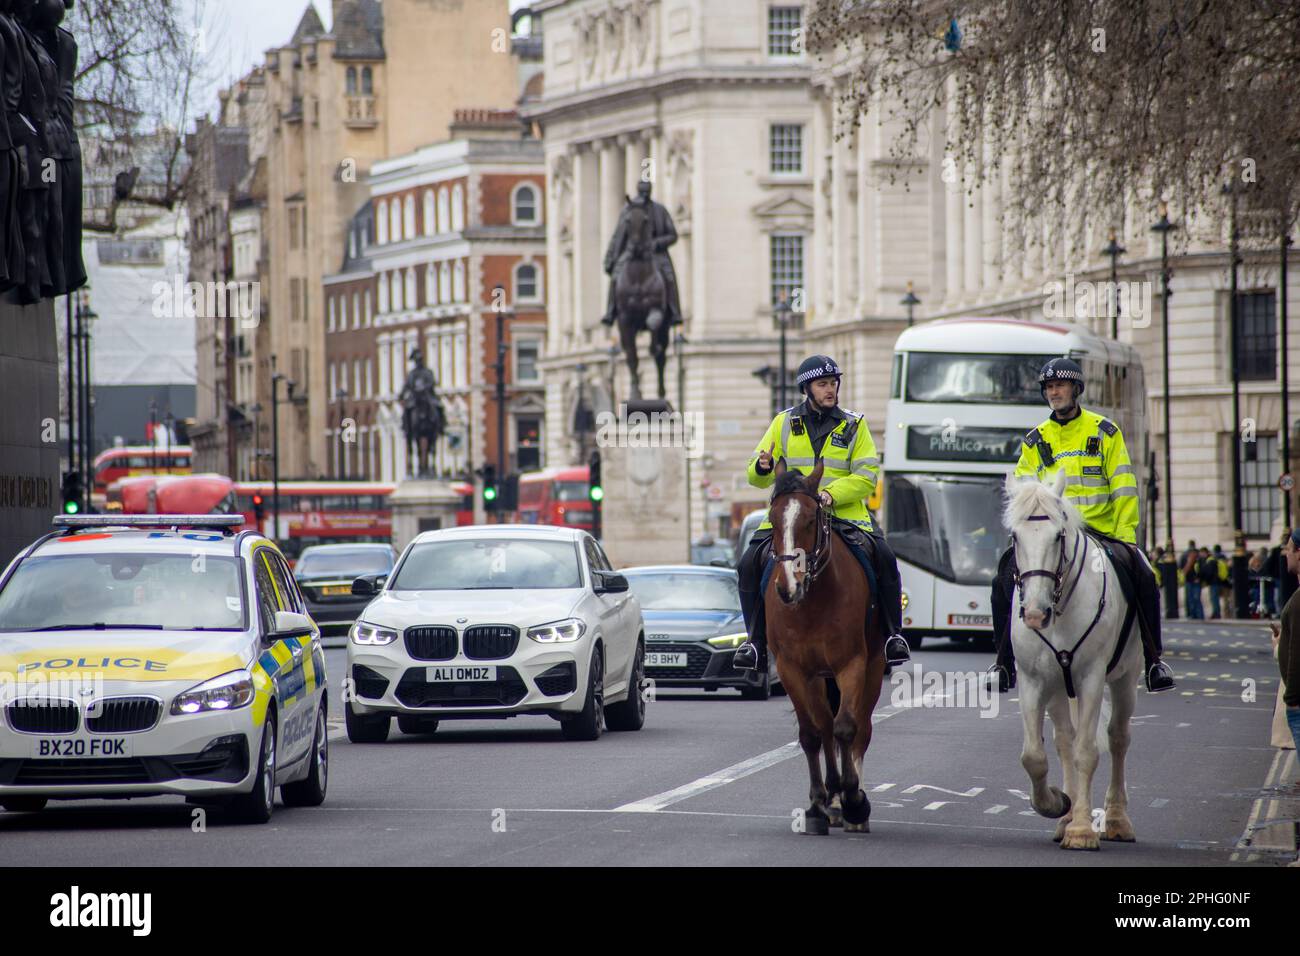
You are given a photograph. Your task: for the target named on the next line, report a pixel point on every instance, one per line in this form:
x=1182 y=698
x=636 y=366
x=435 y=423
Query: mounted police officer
x=1102 y=486
x=818 y=427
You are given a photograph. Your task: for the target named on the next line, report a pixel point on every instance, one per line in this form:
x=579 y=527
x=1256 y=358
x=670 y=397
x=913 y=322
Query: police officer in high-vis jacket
x=1102 y=486
x=818 y=427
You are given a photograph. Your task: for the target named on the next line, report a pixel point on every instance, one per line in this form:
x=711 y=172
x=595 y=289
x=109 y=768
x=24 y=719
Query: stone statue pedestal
x=643 y=514
x=421 y=504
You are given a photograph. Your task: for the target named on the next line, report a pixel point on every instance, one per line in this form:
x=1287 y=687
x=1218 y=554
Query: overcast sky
x=238 y=33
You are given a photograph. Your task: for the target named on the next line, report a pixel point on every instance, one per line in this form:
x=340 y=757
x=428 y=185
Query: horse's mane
x=1033 y=497
x=792 y=480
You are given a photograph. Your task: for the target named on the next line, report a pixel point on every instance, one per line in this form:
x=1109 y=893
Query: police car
x=159 y=654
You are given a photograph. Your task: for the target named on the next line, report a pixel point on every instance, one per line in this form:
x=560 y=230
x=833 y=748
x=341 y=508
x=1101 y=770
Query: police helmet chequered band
x=815 y=367
x=1061 y=370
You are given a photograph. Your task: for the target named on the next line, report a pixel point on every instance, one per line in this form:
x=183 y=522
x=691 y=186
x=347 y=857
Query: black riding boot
x=1158 y=675
x=890 y=600
x=752 y=655
x=1005 y=665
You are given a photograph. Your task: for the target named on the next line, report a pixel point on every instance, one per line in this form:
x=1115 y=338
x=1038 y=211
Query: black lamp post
x=1169 y=569
x=501 y=309
x=85 y=319
x=276 y=379
x=1284 y=242
x=910 y=301
x=1114 y=250
x=1240 y=565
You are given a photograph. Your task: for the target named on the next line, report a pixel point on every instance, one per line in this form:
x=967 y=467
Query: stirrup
x=1006 y=676
x=897 y=651
x=746 y=658
x=1159 y=678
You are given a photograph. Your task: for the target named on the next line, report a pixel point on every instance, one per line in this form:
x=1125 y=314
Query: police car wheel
x=366 y=728
x=310 y=791
x=416 y=724
x=256 y=807
x=24 y=804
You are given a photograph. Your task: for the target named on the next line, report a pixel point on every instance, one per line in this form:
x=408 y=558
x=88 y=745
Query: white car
x=144 y=655
x=496 y=621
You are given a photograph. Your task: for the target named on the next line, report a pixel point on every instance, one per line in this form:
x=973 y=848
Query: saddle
x=1124 y=561
x=860 y=544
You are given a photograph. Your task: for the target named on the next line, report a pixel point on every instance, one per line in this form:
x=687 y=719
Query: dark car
x=693 y=626
x=710 y=551
x=325 y=573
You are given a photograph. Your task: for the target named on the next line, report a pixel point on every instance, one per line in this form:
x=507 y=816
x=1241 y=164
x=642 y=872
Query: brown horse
x=825 y=636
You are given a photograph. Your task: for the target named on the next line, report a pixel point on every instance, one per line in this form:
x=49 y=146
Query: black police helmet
x=815 y=367
x=1061 y=369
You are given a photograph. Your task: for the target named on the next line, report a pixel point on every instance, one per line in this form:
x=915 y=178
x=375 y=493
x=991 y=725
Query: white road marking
x=936 y=805
x=1157 y=803
x=997 y=808
x=882 y=787
x=1280 y=766
x=972 y=792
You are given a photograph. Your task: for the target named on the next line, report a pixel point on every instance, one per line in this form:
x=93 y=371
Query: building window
x=133 y=252
x=331 y=314
x=395 y=292
x=457 y=208
x=1260 y=470
x=295 y=300
x=444 y=210
x=528 y=449
x=527 y=352
x=444 y=283
x=524 y=206
x=431 y=284
x=408 y=276
x=356 y=312
x=352 y=81
x=428 y=212
x=408 y=222
x=1257 y=336
x=782 y=29
x=395 y=220
x=787 y=268
x=383 y=294
x=334 y=383
x=458 y=281
x=526 y=285
x=369 y=392
x=381 y=221
x=459 y=375
x=368 y=308
x=294 y=217
x=786 y=147
x=367 y=81
x=444 y=360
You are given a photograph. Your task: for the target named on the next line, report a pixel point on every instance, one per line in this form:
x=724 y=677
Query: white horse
x=1067 y=614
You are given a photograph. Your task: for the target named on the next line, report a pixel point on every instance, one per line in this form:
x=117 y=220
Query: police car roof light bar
x=71 y=523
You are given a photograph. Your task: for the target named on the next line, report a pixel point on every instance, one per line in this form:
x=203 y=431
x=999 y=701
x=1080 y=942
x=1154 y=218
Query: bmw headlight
x=558 y=632
x=363 y=633
x=226 y=692
x=729 y=641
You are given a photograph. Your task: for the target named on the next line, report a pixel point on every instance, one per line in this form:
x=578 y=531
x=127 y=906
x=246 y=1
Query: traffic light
x=259 y=511
x=72 y=495
x=595 y=490
x=490 y=490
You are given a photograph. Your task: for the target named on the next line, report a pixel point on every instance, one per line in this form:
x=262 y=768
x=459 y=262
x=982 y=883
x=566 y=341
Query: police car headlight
x=363 y=633
x=558 y=632
x=227 y=692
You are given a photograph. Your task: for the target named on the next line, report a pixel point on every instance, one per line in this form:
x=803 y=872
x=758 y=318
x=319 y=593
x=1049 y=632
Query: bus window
x=974 y=379
x=896 y=377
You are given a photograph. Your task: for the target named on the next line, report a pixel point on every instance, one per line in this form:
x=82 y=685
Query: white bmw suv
x=496 y=621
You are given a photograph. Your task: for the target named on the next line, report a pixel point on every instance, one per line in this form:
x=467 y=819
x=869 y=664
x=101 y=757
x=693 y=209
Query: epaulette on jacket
x=1032 y=438
x=1109 y=427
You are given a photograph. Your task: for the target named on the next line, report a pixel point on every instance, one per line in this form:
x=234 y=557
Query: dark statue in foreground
x=423 y=417
x=40 y=157
x=643 y=286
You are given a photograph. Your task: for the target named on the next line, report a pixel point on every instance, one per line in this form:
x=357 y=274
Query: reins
x=815 y=562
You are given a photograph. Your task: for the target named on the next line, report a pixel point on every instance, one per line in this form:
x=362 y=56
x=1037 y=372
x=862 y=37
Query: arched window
x=381 y=221
x=396 y=279
x=428 y=212
x=444 y=220
x=343 y=312
x=383 y=294
x=331 y=314
x=408 y=217
x=458 y=281
x=368 y=308
x=356 y=311
x=408 y=278
x=527 y=286
x=431 y=285
x=395 y=220
x=367 y=81
x=352 y=81
x=457 y=208
x=444 y=282
x=524 y=206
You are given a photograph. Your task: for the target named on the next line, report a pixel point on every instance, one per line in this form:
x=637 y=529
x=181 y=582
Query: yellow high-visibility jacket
x=850 y=464
x=1100 y=480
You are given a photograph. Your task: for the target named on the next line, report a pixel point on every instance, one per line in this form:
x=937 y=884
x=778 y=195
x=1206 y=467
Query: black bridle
x=1063 y=658
x=820 y=556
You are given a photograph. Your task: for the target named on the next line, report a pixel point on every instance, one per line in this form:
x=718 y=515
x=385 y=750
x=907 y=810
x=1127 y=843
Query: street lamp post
x=69 y=346
x=1114 y=250
x=910 y=301
x=500 y=308
x=1169 y=569
x=87 y=319
x=276 y=379
x=1240 y=567
x=256 y=409
x=1285 y=241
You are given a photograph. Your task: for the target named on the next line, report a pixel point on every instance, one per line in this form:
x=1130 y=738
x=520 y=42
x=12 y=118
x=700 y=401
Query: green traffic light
x=597 y=493
x=489 y=494
x=71 y=507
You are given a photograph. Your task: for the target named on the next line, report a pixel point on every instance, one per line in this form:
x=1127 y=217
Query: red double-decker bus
x=130 y=460
x=558 y=496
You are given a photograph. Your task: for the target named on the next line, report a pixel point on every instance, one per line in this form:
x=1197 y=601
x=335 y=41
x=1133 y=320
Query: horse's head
x=1041 y=522
x=793 y=514
x=638 y=230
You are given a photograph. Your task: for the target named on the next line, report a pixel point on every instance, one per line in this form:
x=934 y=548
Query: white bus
x=963 y=394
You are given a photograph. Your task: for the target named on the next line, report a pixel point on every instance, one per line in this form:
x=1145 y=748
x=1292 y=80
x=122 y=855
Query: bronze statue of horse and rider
x=423 y=417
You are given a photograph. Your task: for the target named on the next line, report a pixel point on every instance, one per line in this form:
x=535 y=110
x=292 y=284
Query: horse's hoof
x=835 y=817
x=856 y=810
x=1119 y=830
x=1067 y=805
x=816 y=826
x=1080 y=838
x=1060 y=830
x=863 y=827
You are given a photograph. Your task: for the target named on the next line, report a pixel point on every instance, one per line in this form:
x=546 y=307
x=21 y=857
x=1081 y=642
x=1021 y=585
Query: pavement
x=714 y=780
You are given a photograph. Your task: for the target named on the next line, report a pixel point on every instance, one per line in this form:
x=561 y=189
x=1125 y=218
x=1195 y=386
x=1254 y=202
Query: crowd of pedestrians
x=1207 y=573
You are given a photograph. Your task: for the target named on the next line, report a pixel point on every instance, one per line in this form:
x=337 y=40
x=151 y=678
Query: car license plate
x=459 y=673
x=970 y=620
x=335 y=589
x=661 y=659
x=54 y=747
